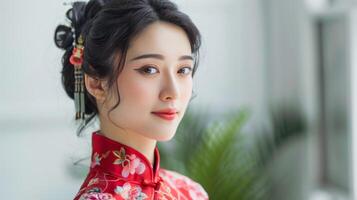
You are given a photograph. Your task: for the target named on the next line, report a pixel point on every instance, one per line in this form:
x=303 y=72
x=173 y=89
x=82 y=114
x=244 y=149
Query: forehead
x=160 y=38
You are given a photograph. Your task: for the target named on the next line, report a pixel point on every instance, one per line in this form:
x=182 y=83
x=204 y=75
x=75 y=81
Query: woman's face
x=160 y=80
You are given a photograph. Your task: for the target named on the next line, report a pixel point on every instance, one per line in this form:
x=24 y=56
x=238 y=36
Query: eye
x=147 y=70
x=186 y=70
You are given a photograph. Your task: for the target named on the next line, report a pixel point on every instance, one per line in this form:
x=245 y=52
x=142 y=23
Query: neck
x=143 y=144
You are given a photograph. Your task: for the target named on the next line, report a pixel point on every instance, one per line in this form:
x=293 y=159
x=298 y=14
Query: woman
x=130 y=63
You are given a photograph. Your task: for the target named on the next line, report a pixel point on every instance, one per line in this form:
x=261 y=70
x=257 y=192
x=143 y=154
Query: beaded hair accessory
x=76 y=60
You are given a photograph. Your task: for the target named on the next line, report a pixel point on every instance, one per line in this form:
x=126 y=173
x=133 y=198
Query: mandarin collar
x=123 y=161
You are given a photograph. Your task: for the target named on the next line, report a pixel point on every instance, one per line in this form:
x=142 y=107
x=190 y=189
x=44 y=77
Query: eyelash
x=142 y=70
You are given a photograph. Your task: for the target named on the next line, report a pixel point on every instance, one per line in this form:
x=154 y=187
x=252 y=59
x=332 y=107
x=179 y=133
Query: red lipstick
x=168 y=114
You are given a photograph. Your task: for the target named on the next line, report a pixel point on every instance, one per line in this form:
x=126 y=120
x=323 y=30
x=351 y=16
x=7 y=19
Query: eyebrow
x=160 y=57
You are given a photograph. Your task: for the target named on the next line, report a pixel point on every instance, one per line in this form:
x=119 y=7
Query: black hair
x=107 y=27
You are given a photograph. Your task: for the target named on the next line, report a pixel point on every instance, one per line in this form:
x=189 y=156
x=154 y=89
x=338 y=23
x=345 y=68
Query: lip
x=168 y=114
x=166 y=111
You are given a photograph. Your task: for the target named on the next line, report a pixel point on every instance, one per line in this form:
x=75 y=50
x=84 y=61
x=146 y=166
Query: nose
x=170 y=88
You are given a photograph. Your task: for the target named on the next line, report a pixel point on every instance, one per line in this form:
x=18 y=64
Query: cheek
x=136 y=93
x=187 y=90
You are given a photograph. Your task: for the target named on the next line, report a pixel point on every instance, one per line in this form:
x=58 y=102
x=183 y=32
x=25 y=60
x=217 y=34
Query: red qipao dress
x=118 y=172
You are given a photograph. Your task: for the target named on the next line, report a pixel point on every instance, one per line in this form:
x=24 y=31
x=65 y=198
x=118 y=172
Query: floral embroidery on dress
x=94 y=190
x=165 y=193
x=97 y=158
x=96 y=194
x=194 y=190
x=93 y=181
x=131 y=164
x=129 y=192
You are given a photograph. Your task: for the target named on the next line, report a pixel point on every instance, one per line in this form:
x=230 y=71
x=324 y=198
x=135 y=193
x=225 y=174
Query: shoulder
x=184 y=184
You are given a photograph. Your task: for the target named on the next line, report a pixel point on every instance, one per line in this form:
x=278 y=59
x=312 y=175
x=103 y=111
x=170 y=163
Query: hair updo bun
x=107 y=27
x=64 y=34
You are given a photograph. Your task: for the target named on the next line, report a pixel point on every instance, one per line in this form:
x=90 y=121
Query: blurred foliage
x=287 y=121
x=227 y=162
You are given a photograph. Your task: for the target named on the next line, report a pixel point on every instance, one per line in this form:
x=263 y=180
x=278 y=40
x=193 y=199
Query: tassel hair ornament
x=76 y=60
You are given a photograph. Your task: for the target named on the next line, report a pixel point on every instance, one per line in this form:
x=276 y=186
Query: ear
x=96 y=87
